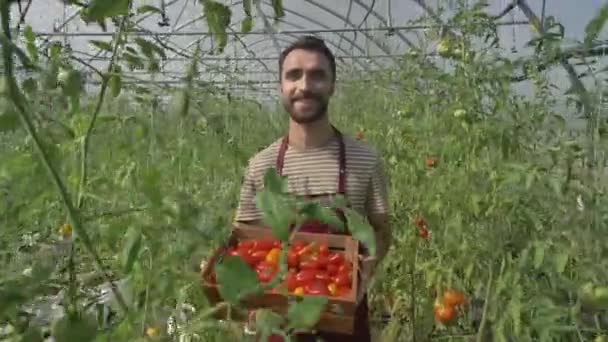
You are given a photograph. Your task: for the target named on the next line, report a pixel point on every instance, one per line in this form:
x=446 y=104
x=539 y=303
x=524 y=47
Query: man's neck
x=312 y=135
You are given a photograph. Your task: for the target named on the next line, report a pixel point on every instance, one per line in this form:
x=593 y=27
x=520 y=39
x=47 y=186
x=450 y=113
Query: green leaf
x=148 y=48
x=218 y=19
x=30 y=43
x=560 y=260
x=306 y=313
x=595 y=25
x=247 y=25
x=361 y=230
x=277 y=6
x=151 y=185
x=131 y=248
x=71 y=81
x=9 y=119
x=147 y=9
x=266 y=321
x=275 y=183
x=276 y=213
x=74 y=328
x=235 y=279
x=539 y=255
x=314 y=210
x=98 y=10
x=103 y=45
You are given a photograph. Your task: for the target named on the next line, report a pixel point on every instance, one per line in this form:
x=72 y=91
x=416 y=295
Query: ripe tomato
x=323 y=276
x=419 y=221
x=431 y=162
x=292 y=258
x=345 y=268
x=316 y=288
x=246 y=244
x=423 y=232
x=265 y=271
x=263 y=244
x=333 y=289
x=273 y=256
x=291 y=281
x=298 y=245
x=332 y=269
x=258 y=256
x=308 y=265
x=305 y=276
x=308 y=249
x=298 y=291
x=336 y=258
x=444 y=313
x=453 y=297
x=342 y=279
x=320 y=260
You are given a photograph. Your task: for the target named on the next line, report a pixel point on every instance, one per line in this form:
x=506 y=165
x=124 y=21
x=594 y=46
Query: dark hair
x=310 y=43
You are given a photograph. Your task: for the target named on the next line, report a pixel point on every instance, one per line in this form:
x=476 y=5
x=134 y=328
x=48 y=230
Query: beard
x=317 y=108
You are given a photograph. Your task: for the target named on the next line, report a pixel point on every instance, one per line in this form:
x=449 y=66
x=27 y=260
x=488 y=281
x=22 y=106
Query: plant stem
x=19 y=102
x=482 y=324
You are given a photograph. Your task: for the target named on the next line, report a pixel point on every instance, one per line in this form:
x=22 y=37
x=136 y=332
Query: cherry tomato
x=305 y=276
x=298 y=245
x=265 y=271
x=423 y=232
x=316 y=288
x=323 y=276
x=431 y=161
x=419 y=221
x=246 y=244
x=292 y=259
x=444 y=313
x=291 y=281
x=273 y=256
x=308 y=265
x=298 y=291
x=263 y=245
x=453 y=297
x=333 y=289
x=309 y=248
x=320 y=260
x=345 y=268
x=332 y=269
x=336 y=258
x=258 y=256
x=247 y=257
x=342 y=279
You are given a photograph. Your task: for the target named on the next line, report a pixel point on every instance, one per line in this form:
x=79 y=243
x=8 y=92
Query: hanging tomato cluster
x=445 y=307
x=313 y=268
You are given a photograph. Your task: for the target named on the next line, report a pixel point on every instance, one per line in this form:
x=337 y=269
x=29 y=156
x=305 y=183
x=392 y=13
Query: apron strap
x=280 y=162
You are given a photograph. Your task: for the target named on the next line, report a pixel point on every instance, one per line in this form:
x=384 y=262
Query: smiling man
x=320 y=162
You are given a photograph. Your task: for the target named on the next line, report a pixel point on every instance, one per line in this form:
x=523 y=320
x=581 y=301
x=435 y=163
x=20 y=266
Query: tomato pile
x=313 y=269
x=445 y=307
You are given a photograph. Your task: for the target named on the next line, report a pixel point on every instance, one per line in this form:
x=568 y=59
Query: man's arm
x=247 y=212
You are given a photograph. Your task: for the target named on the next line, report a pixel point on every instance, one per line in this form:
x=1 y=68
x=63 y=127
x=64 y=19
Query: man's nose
x=304 y=83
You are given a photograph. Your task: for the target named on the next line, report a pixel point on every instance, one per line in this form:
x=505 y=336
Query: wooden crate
x=339 y=315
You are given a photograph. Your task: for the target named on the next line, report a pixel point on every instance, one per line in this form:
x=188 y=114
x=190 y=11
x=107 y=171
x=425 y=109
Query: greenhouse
x=132 y=131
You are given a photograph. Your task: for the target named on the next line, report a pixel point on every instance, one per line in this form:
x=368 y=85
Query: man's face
x=306 y=85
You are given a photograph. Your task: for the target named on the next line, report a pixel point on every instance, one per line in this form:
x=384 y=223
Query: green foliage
x=516 y=220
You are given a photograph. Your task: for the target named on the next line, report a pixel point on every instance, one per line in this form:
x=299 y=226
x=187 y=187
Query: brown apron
x=362 y=328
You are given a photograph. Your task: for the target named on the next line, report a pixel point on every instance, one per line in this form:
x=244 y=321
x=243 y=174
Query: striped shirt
x=314 y=172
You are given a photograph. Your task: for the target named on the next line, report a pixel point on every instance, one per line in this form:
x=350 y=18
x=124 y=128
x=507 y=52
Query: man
x=319 y=161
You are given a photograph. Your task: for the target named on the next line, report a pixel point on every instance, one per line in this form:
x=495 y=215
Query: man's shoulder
x=265 y=157
x=361 y=151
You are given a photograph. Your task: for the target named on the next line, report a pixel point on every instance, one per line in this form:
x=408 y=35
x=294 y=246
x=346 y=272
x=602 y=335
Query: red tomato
x=245 y=244
x=292 y=258
x=305 y=276
x=263 y=245
x=332 y=269
x=323 y=276
x=298 y=245
x=336 y=258
x=247 y=257
x=345 y=267
x=265 y=271
x=309 y=265
x=316 y=288
x=309 y=248
x=342 y=279
x=291 y=280
x=320 y=260
x=258 y=256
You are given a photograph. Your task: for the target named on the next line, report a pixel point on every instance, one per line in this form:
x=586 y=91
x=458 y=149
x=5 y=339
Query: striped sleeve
x=247 y=210
x=377 y=193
